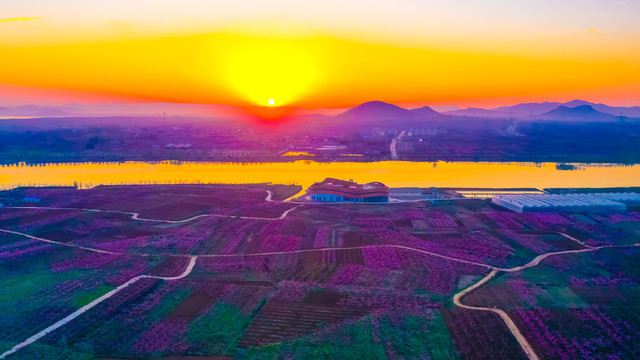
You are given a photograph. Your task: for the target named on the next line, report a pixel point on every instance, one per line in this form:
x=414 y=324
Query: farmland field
x=234 y=271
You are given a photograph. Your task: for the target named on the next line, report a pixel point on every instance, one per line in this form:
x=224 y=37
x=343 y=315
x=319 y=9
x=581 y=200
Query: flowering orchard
x=325 y=280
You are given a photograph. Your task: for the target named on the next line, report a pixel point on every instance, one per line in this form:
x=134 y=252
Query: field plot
x=384 y=334
x=582 y=333
x=319 y=281
x=175 y=202
x=281 y=319
x=481 y=335
x=608 y=277
x=270 y=210
x=52 y=281
x=105 y=231
x=392 y=269
x=165 y=318
x=578 y=306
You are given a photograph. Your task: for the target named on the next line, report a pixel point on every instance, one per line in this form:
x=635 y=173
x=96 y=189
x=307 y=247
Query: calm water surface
x=392 y=173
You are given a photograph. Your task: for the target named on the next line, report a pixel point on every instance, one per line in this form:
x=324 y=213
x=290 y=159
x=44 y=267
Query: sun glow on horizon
x=310 y=56
x=257 y=69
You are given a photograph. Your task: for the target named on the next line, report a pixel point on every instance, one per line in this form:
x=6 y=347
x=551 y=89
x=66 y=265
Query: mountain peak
x=425 y=111
x=580 y=109
x=576 y=103
x=378 y=109
x=578 y=113
x=376 y=104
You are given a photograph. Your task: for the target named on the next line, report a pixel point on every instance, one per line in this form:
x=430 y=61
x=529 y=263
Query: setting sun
x=258 y=69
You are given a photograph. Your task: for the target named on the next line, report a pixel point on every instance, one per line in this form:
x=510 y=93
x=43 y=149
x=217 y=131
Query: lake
x=392 y=173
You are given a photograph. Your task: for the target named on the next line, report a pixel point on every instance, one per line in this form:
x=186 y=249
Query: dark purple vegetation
x=374 y=278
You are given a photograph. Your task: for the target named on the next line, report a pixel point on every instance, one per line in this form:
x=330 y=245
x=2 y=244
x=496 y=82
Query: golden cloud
x=20 y=19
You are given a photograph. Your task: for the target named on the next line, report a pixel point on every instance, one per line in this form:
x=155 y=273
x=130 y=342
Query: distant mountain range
x=111 y=109
x=373 y=113
x=444 y=108
x=476 y=112
x=381 y=114
x=531 y=111
x=579 y=113
x=379 y=109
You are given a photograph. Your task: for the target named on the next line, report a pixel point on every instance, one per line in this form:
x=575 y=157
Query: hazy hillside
x=583 y=113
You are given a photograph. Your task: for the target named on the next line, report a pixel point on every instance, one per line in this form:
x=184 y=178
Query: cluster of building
x=335 y=190
x=523 y=201
x=177 y=146
x=586 y=202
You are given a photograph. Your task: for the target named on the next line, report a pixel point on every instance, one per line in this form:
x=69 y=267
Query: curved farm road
x=505 y=317
x=531 y=354
x=59 y=242
x=92 y=304
x=456 y=299
x=574 y=239
x=136 y=216
x=302 y=251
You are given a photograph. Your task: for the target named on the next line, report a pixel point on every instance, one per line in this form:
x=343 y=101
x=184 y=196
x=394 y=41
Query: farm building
x=558 y=202
x=335 y=190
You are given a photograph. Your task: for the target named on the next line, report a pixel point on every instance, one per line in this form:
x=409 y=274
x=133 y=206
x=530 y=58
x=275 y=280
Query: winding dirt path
x=60 y=242
x=505 y=317
x=536 y=261
x=456 y=299
x=574 y=239
x=92 y=304
x=255 y=254
x=531 y=354
x=136 y=216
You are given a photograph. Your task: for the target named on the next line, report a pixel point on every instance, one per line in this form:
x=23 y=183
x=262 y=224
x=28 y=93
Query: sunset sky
x=325 y=54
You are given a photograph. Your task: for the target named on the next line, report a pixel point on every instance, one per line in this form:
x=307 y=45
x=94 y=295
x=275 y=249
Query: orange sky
x=321 y=56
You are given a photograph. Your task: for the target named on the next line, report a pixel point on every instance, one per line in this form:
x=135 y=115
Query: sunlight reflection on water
x=392 y=173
